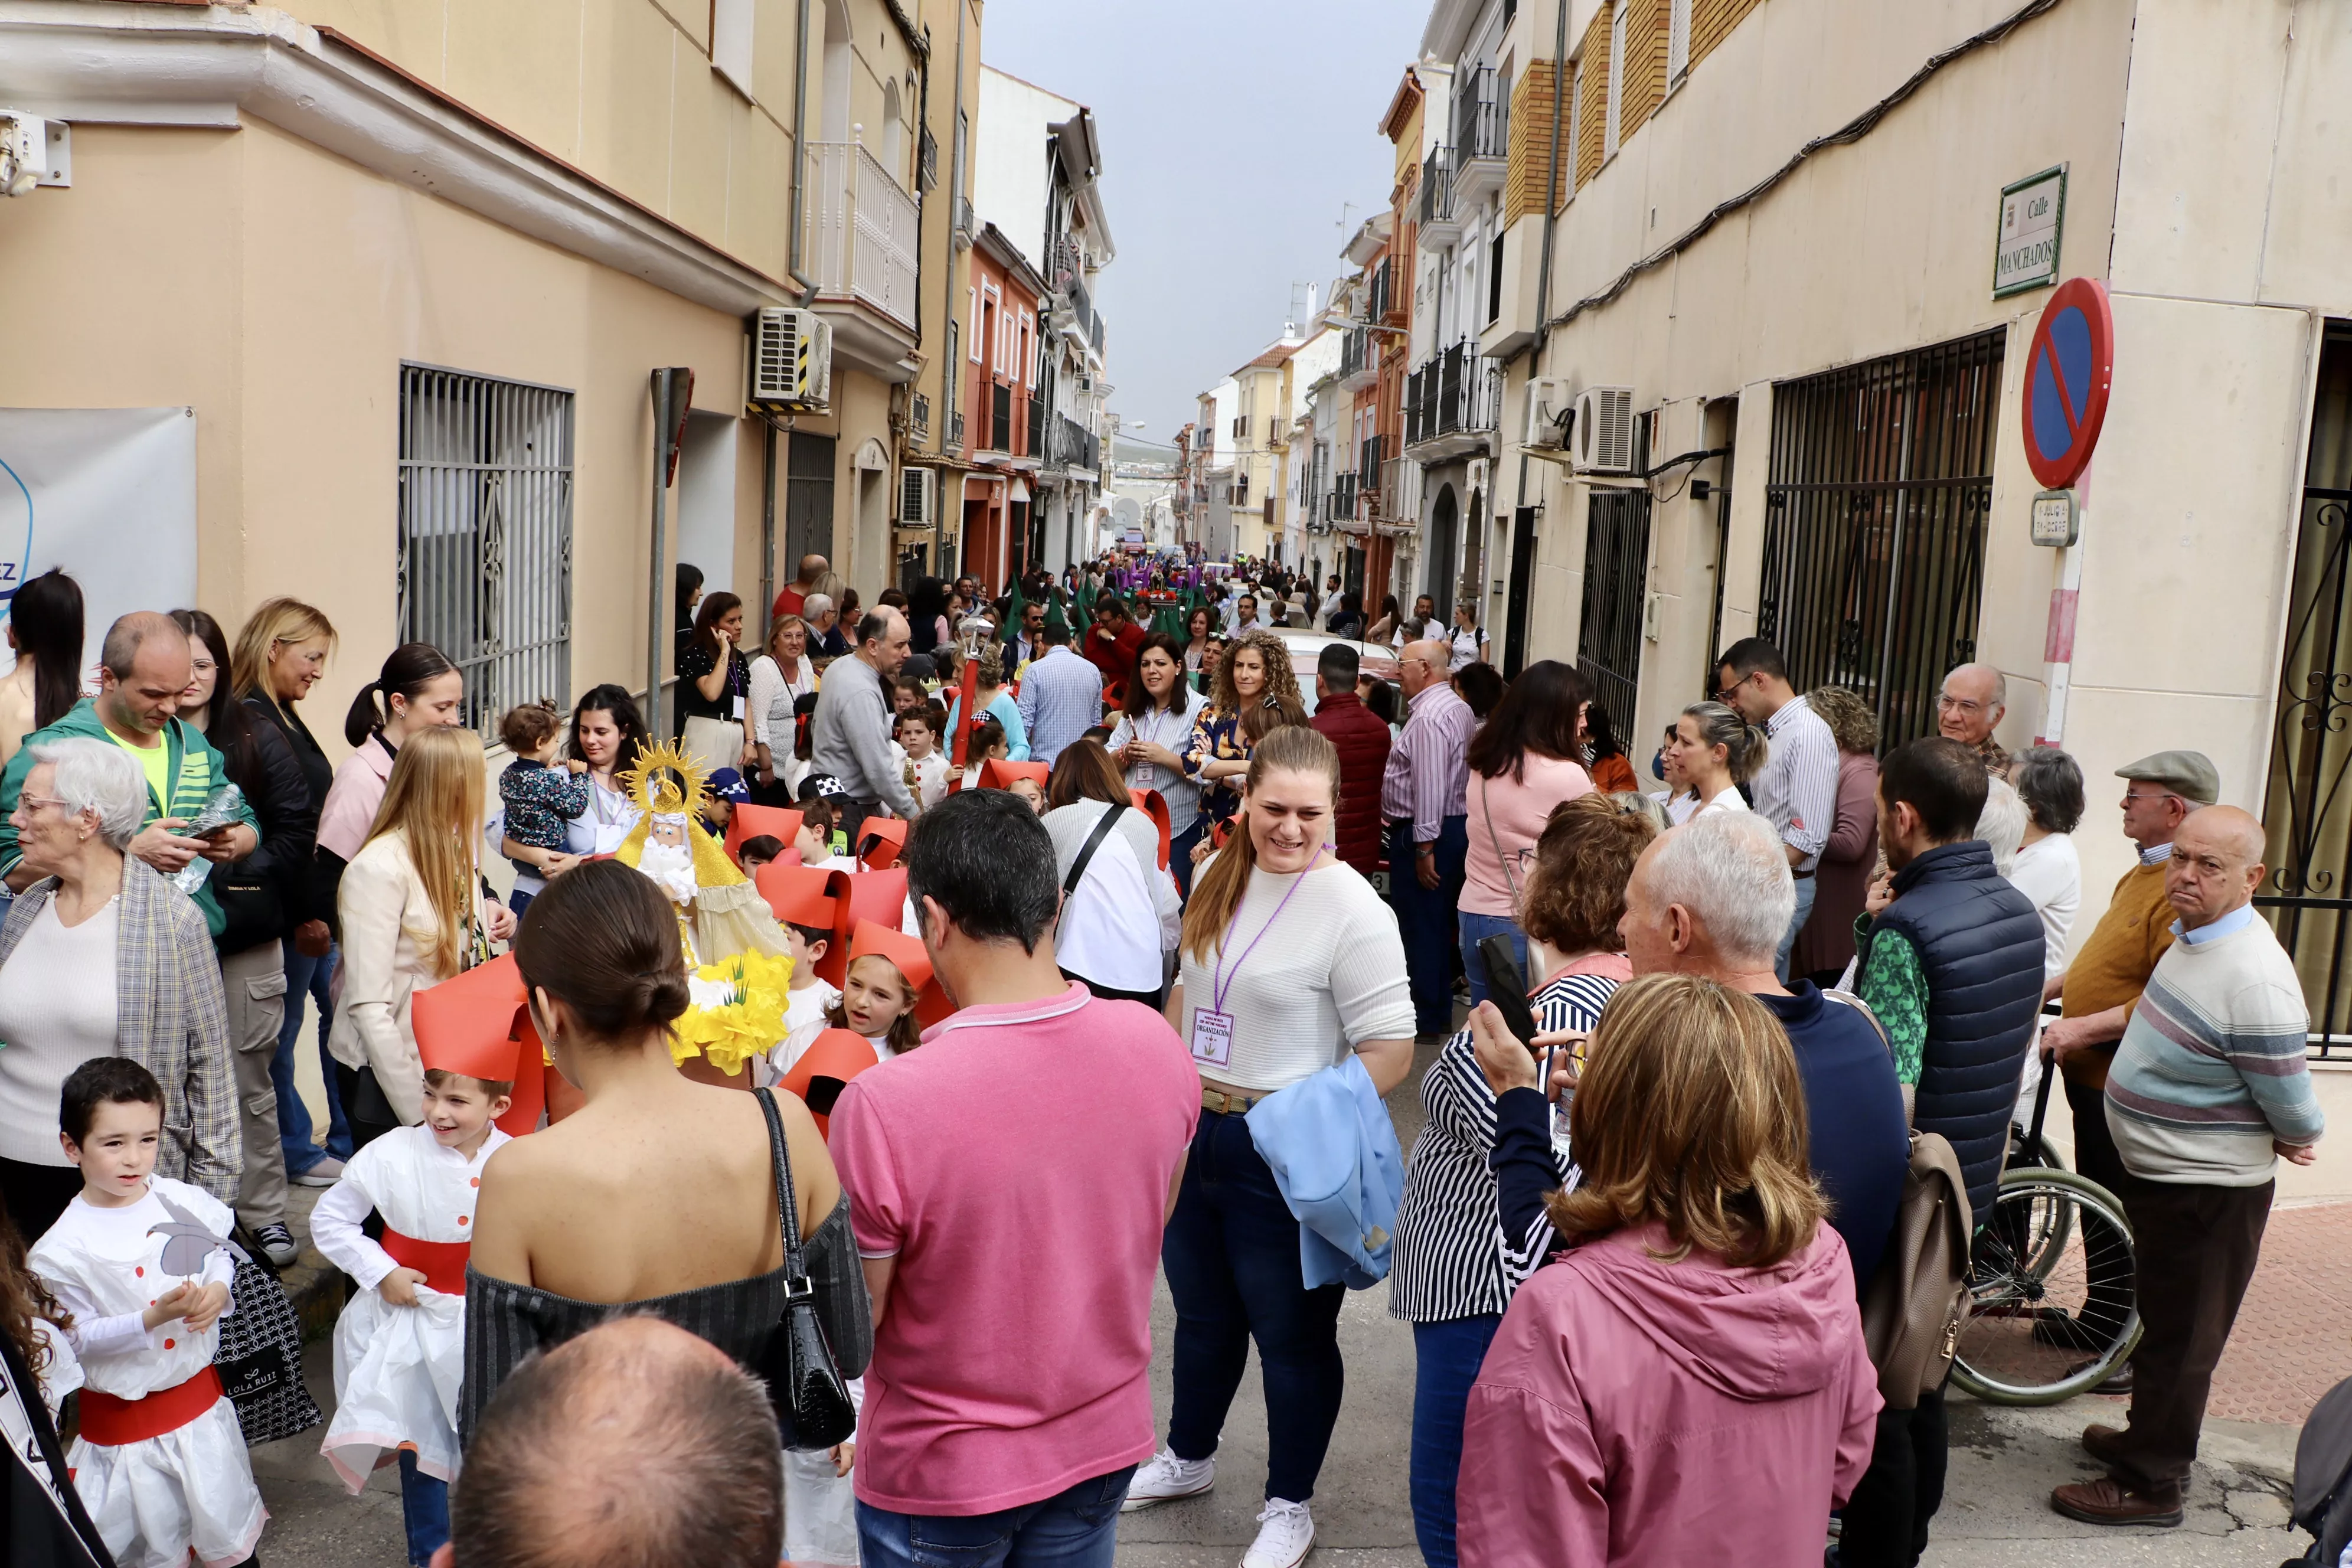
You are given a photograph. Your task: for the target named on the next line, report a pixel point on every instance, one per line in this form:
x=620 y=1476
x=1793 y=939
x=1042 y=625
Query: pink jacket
x=1634 y=1411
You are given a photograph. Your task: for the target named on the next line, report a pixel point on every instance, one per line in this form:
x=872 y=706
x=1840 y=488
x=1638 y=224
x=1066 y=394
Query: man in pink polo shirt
x=1008 y=1180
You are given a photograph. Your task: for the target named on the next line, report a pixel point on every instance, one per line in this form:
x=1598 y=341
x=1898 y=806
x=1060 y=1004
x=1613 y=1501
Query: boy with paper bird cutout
x=140 y=1262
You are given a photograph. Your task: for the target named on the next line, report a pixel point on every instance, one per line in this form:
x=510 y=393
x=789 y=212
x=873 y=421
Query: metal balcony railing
x=1073 y=446
x=955 y=432
x=1368 y=467
x=921 y=416
x=1376 y=306
x=1351 y=352
x=863 y=230
x=927 y=161
x=1459 y=390
x=1340 y=504
x=1480 y=116
x=1437 y=188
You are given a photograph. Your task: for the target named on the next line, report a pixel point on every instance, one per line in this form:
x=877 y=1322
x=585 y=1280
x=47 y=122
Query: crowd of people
x=815 y=1091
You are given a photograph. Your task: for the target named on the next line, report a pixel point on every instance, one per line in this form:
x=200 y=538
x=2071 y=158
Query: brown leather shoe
x=2103 y=1443
x=2110 y=1501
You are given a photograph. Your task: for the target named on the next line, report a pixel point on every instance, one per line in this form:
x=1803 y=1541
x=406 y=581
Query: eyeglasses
x=36 y=802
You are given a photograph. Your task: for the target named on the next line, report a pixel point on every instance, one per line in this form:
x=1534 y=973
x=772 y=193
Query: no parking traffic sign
x=2066 y=376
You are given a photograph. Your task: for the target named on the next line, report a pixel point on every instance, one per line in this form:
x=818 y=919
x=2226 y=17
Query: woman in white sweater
x=413 y=913
x=1290 y=962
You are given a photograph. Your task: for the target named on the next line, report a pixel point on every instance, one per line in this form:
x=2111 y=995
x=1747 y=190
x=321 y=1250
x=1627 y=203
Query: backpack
x=1911 y=1317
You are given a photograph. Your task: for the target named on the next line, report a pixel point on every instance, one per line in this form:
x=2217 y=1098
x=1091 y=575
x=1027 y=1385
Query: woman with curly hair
x=1255 y=691
x=1826 y=943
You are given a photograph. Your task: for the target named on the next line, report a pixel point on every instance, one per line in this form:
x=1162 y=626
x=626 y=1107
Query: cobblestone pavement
x=2289 y=1347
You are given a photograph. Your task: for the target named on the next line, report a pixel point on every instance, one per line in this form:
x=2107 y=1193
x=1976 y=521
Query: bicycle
x=2033 y=1334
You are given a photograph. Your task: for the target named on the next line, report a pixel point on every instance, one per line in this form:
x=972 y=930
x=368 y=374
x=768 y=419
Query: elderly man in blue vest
x=1949 y=957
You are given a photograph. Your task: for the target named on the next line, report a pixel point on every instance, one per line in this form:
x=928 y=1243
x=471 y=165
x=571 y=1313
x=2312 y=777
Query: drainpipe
x=1543 y=279
x=673 y=392
x=767 y=528
x=800 y=157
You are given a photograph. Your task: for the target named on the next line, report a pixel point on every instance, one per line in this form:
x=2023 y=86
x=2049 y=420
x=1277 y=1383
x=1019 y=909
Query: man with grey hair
x=826 y=642
x=849 y=734
x=604 y=1452
x=1969 y=708
x=1711 y=899
x=144 y=667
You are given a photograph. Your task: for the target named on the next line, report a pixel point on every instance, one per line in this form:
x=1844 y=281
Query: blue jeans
x=424 y=1510
x=1446 y=1358
x=307 y=977
x=1474 y=929
x=1179 y=855
x=1806 y=887
x=1074 y=1529
x=1425 y=921
x=1231 y=1251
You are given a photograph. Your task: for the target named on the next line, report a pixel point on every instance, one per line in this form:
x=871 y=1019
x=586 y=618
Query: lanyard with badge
x=1213 y=1027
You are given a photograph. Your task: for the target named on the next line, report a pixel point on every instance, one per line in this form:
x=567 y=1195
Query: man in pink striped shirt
x=1421 y=799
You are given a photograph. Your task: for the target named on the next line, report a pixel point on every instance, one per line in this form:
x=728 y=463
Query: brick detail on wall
x=1712 y=21
x=1646 y=22
x=1592 y=113
x=1531 y=150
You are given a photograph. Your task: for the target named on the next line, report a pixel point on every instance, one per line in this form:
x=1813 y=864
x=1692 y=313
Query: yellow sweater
x=2113 y=967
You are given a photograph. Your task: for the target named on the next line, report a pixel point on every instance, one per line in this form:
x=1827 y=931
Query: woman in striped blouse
x=1449 y=1278
x=1255 y=690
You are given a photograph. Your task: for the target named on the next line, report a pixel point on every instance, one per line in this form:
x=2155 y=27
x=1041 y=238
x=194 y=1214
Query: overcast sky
x=1232 y=133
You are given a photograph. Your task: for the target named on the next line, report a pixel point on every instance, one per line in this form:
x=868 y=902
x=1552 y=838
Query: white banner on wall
x=110 y=494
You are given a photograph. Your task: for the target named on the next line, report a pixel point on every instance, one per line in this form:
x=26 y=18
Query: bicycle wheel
x=2050 y=1280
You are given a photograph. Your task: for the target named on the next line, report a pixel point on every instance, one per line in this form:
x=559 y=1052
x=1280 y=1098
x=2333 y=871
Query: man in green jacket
x=143 y=668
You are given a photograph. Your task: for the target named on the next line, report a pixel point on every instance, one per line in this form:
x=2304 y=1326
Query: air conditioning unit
x=792 y=361
x=918 y=497
x=1604 y=430
x=1547 y=411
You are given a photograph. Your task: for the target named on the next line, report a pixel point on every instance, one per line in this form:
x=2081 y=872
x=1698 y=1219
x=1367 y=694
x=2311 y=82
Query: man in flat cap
x=2100 y=987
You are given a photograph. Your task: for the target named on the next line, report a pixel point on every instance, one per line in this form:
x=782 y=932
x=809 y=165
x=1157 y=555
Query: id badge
x=736 y=711
x=1212 y=1037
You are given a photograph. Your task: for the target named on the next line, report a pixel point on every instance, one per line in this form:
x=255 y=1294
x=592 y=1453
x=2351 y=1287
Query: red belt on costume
x=110 y=1422
x=443 y=1262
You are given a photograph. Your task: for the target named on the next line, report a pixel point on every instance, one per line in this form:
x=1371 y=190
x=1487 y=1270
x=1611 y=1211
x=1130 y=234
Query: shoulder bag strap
x=1086 y=853
x=1511 y=878
x=788 y=1209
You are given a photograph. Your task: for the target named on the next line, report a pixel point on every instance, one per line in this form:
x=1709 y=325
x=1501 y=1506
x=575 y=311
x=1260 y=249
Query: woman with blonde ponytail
x=1290 y=964
x=413 y=913
x=1716 y=751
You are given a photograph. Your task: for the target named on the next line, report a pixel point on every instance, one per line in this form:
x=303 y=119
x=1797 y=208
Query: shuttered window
x=1592 y=71
x=1614 y=120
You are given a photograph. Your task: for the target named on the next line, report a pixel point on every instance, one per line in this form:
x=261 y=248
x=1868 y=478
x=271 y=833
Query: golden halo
x=666 y=781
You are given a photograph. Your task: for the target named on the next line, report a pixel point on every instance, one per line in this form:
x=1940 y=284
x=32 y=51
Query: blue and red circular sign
x=2066 y=376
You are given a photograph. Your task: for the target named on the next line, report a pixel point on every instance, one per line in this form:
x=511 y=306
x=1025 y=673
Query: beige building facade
x=411 y=264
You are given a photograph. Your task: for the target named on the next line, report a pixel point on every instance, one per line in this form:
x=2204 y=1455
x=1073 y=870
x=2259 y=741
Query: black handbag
x=804 y=1385
x=260 y=1359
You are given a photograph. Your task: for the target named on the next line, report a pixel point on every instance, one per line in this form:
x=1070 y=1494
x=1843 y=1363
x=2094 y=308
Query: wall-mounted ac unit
x=1604 y=430
x=792 y=361
x=918 y=497
x=1547 y=411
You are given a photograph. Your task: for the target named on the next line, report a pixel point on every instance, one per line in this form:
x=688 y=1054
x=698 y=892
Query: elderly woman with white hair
x=104 y=957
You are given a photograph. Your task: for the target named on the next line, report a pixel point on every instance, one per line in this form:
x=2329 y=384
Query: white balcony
x=863 y=232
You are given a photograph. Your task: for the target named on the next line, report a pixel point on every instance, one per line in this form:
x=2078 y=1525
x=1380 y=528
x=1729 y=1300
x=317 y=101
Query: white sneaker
x=1284 y=1533
x=1163 y=1478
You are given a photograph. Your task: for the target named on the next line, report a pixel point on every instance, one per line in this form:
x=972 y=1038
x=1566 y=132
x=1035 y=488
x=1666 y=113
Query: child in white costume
x=140 y=1262
x=400 y=1345
x=397 y=1368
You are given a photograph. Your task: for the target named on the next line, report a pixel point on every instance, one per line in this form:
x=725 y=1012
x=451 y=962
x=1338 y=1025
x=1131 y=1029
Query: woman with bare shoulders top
x=658 y=1195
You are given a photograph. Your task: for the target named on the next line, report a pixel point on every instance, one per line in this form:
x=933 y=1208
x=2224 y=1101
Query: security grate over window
x=486 y=534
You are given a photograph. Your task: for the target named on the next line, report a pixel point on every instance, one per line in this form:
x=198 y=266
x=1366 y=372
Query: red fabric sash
x=444 y=1262
x=110 y=1422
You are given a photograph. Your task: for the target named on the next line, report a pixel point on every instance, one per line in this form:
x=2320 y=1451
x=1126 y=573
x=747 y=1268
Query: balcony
x=1360 y=366
x=1438 y=223
x=1340 y=504
x=1274 y=434
x=927 y=161
x=966 y=230
x=863 y=236
x=1077 y=311
x=1451 y=404
x=1367 y=471
x=1400 y=498
x=1481 y=123
x=955 y=432
x=919 y=416
x=1071 y=445
x=1037 y=445
x=1377 y=303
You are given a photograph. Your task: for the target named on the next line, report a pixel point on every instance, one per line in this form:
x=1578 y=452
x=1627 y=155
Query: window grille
x=486 y=534
x=1874 y=525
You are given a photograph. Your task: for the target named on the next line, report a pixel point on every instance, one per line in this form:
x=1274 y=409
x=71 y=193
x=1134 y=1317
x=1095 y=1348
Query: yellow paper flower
x=737 y=1010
